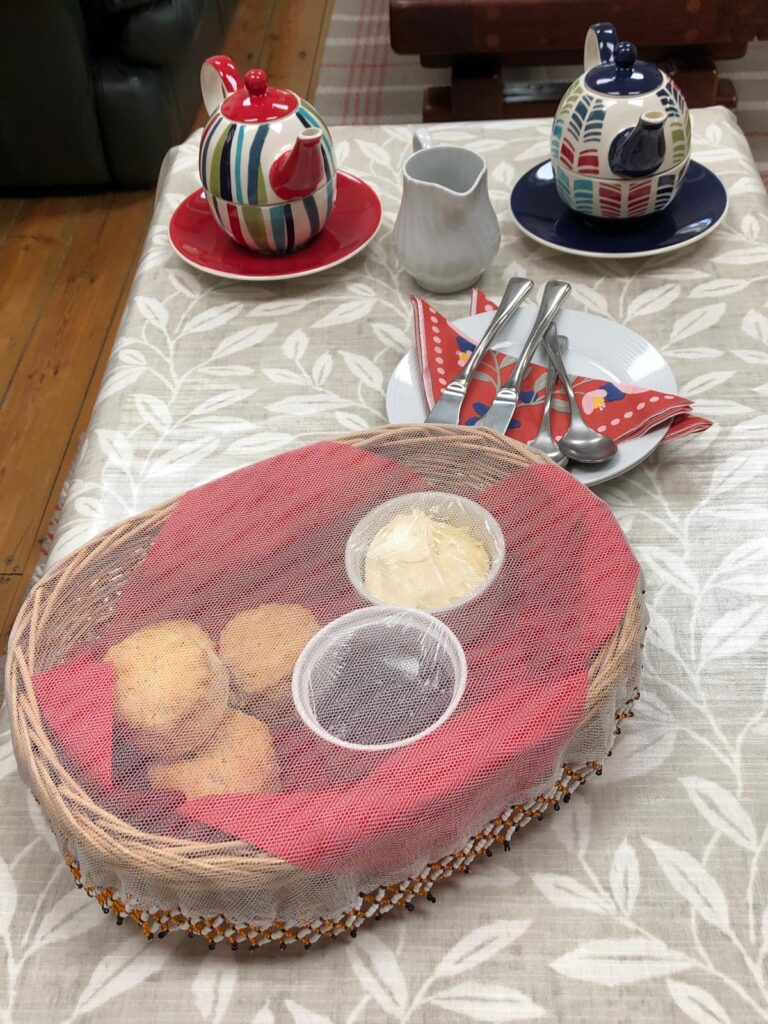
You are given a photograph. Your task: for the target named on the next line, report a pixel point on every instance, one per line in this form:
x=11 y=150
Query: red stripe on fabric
x=369 y=52
x=368 y=73
x=376 y=64
x=384 y=67
x=350 y=96
x=364 y=93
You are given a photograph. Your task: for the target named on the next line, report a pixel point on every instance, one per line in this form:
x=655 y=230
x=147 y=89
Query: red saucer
x=199 y=240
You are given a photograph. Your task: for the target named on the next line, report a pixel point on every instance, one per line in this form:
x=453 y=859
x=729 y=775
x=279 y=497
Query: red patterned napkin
x=622 y=411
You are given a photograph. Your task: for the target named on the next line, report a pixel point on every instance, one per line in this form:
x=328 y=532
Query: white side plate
x=596 y=348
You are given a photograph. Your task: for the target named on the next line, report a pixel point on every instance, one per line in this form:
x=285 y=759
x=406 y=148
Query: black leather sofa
x=93 y=92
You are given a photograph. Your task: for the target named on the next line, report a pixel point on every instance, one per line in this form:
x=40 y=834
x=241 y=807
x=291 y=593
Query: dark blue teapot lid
x=624 y=74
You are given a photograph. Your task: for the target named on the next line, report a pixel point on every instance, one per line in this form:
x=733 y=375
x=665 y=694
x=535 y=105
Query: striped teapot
x=621 y=137
x=266 y=160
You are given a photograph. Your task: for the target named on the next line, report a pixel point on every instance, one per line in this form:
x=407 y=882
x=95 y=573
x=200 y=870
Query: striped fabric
x=750 y=77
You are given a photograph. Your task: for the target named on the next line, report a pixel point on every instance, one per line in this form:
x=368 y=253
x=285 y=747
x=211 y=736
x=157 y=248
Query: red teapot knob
x=256 y=82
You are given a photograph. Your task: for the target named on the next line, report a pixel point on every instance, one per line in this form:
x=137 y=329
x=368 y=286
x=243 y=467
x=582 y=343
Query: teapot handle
x=600 y=44
x=219 y=78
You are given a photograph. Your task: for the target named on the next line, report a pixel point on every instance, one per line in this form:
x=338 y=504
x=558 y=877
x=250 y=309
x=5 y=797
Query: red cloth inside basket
x=264 y=533
x=510 y=723
x=204 y=566
x=276 y=532
x=77 y=702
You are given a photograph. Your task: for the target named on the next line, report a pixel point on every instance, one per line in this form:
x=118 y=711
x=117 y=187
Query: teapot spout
x=639 y=151
x=300 y=171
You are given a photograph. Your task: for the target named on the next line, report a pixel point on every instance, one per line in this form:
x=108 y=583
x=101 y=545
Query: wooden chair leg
x=699 y=81
x=477 y=88
x=476 y=92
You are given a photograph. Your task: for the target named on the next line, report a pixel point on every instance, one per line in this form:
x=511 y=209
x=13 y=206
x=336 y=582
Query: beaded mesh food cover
x=300 y=694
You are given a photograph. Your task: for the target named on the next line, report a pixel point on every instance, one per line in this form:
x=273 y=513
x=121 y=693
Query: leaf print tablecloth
x=645 y=899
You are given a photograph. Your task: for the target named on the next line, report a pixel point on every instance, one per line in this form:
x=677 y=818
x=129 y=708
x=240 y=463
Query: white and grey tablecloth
x=646 y=899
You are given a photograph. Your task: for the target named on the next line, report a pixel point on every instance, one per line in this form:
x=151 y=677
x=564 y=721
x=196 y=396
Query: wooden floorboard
x=245 y=38
x=285 y=37
x=66 y=264
x=31 y=255
x=44 y=400
x=295 y=42
x=13 y=587
x=247 y=33
x=317 y=58
x=9 y=207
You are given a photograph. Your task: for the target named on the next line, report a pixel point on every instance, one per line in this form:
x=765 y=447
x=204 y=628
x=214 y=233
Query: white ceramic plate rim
x=598 y=254
x=405 y=402
x=283 y=277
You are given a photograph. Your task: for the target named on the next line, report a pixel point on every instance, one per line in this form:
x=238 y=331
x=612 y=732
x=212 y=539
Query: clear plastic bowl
x=379 y=678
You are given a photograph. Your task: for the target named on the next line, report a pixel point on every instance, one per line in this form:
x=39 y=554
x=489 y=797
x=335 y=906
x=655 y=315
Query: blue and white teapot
x=621 y=138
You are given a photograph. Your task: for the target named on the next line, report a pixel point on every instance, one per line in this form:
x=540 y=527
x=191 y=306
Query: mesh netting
x=323 y=673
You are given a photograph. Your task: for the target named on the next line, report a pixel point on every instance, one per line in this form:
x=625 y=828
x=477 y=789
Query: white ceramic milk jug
x=446 y=232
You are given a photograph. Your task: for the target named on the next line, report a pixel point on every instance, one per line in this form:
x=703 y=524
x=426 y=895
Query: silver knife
x=505 y=402
x=448 y=405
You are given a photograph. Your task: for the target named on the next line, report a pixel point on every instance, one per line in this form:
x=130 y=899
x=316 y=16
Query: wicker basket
x=79 y=595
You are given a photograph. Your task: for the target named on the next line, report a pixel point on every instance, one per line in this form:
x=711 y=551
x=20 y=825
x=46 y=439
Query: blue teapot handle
x=600 y=44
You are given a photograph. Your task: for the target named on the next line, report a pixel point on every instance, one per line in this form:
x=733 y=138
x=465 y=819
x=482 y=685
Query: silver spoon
x=580 y=442
x=544 y=440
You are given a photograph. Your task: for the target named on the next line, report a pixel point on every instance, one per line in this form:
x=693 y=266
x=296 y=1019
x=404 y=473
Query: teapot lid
x=625 y=75
x=258 y=101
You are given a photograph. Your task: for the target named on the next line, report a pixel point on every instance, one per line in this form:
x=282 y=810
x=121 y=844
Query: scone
x=260 y=647
x=239 y=758
x=171 y=689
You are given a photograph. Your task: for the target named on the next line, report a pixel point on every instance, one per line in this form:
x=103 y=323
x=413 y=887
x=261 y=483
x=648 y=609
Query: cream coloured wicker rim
x=72 y=602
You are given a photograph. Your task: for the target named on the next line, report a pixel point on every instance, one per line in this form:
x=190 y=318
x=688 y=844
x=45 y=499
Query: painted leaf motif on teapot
x=620 y=142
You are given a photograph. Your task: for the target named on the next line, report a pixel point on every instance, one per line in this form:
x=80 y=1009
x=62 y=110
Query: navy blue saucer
x=697 y=209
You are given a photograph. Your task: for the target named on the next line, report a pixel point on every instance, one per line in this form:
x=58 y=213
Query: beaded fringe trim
x=157 y=923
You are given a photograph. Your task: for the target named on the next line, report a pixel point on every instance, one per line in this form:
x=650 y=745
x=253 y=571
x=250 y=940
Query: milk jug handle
x=600 y=44
x=421 y=140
